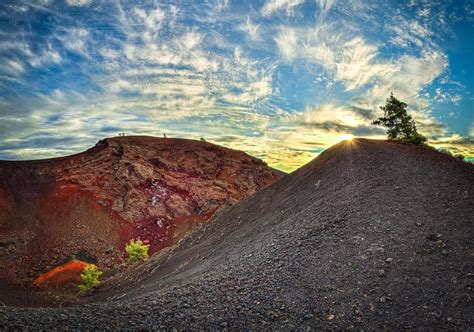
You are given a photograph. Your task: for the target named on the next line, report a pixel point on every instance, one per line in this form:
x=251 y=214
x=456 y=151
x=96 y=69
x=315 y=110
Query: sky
x=280 y=79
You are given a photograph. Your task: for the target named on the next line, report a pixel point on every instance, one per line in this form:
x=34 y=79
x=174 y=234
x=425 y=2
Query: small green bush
x=136 y=251
x=415 y=138
x=90 y=277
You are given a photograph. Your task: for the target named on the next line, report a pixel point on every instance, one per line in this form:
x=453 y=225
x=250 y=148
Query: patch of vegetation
x=449 y=153
x=400 y=124
x=136 y=251
x=90 y=277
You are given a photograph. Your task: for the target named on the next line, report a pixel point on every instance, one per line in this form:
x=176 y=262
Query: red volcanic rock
x=67 y=273
x=154 y=189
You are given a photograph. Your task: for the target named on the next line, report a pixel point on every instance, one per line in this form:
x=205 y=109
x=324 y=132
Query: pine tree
x=400 y=124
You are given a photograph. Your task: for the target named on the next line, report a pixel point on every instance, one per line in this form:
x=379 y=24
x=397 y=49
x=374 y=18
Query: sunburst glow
x=346 y=137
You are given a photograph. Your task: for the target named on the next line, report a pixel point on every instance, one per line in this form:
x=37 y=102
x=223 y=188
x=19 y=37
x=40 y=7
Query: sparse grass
x=136 y=251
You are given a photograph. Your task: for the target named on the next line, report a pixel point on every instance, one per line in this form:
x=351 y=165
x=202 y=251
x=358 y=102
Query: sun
x=348 y=137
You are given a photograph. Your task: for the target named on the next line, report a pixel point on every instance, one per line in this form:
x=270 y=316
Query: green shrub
x=90 y=277
x=136 y=251
x=415 y=138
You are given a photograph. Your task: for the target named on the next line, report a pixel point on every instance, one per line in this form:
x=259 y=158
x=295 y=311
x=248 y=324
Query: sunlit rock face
x=154 y=189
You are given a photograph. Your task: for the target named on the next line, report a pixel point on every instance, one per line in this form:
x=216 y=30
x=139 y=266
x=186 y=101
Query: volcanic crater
x=89 y=205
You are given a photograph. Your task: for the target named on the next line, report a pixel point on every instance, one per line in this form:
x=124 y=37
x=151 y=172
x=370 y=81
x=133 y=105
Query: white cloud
x=424 y=12
x=357 y=64
x=445 y=97
x=351 y=60
x=248 y=85
x=13 y=67
x=330 y=114
x=190 y=40
x=262 y=87
x=256 y=90
x=287 y=43
x=251 y=29
x=272 y=6
x=48 y=55
x=409 y=33
x=152 y=20
x=222 y=5
x=16 y=46
x=76 y=39
x=177 y=77
x=109 y=53
x=411 y=74
x=325 y=5
x=320 y=53
x=78 y=3
x=120 y=85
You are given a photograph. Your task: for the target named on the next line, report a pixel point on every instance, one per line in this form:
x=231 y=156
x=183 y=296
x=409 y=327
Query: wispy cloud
x=331 y=116
x=251 y=29
x=75 y=39
x=349 y=58
x=325 y=6
x=78 y=3
x=287 y=6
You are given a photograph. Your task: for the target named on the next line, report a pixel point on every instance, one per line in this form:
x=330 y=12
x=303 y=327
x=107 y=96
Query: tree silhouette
x=400 y=124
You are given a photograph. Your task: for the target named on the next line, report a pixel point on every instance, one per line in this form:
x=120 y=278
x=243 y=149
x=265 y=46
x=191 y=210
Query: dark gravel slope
x=370 y=235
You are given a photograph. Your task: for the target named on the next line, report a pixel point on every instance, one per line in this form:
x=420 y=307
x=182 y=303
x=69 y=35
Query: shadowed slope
x=371 y=234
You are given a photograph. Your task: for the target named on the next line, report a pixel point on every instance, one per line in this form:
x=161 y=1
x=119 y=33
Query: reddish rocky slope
x=90 y=204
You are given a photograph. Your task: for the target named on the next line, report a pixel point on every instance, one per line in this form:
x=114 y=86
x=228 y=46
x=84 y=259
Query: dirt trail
x=370 y=235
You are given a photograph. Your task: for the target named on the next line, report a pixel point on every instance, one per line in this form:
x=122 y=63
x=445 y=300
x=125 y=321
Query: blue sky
x=279 y=79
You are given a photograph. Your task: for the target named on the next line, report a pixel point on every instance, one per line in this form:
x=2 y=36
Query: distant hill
x=371 y=235
x=90 y=204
